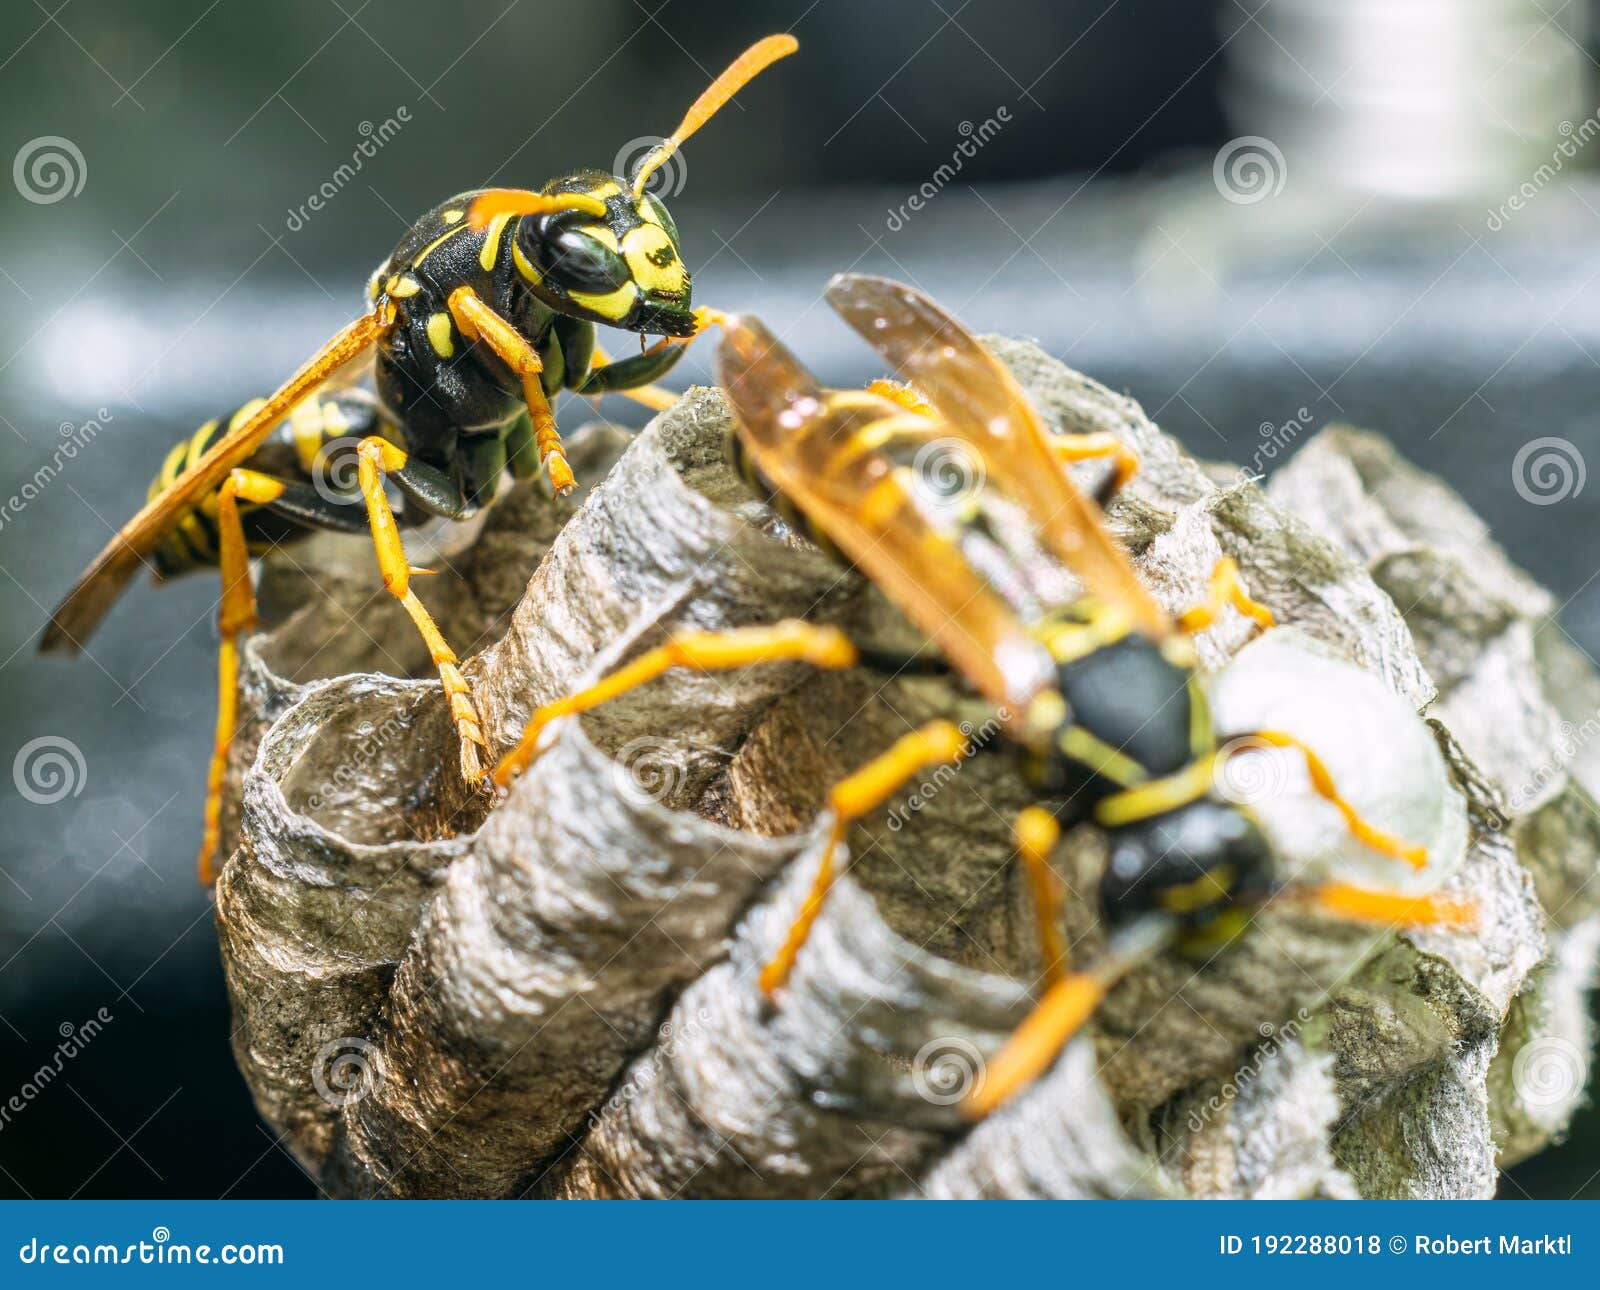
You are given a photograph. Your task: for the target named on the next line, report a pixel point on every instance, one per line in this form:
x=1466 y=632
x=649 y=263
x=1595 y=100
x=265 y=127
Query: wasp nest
x=558 y=998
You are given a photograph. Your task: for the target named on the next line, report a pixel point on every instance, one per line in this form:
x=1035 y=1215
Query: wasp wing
x=981 y=403
x=817 y=449
x=103 y=581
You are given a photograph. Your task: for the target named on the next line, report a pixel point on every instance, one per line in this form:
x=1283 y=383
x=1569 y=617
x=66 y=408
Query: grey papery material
x=558 y=998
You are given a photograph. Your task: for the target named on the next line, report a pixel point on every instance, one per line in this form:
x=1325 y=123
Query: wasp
x=485 y=309
x=1101 y=703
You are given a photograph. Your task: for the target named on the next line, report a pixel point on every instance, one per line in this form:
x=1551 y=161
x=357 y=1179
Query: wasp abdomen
x=316 y=444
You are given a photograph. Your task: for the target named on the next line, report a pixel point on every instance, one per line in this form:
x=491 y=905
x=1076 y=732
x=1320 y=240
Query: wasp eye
x=575 y=260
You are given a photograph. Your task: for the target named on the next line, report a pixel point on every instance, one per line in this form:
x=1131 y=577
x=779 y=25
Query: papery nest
x=558 y=997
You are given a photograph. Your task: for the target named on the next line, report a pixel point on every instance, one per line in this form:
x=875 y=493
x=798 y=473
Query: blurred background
x=1256 y=216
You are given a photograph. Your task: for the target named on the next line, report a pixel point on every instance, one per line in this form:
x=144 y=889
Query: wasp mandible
x=1101 y=703
x=483 y=312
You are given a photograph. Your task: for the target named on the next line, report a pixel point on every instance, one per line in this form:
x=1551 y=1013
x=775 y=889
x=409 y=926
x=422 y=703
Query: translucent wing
x=102 y=582
x=816 y=448
x=981 y=403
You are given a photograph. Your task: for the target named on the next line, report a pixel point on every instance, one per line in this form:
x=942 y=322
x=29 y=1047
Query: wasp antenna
x=734 y=78
x=523 y=201
x=1389 y=908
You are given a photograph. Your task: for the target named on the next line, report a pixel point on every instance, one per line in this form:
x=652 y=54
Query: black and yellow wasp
x=483 y=312
x=1100 y=700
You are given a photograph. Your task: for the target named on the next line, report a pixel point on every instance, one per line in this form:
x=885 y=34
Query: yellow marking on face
x=305 y=422
x=528 y=272
x=374 y=283
x=612 y=304
x=607 y=188
x=491 y=241
x=601 y=234
x=649 y=212
x=441 y=335
x=453 y=216
x=402 y=286
x=653 y=260
x=434 y=245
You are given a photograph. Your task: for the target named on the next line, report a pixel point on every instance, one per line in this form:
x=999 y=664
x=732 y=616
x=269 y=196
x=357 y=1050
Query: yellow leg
x=1034 y=1044
x=236 y=615
x=1037 y=833
x=476 y=321
x=898 y=392
x=1226 y=588
x=1322 y=781
x=376 y=457
x=825 y=647
x=934 y=744
x=1092 y=447
x=1391 y=909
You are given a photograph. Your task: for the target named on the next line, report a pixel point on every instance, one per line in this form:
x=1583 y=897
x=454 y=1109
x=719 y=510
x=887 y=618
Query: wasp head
x=624 y=269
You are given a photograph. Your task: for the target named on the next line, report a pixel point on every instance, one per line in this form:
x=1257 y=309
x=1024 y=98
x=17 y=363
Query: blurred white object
x=1410 y=99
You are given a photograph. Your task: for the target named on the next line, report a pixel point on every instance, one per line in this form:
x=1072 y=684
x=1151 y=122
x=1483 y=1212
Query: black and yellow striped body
x=551 y=278
x=1122 y=734
x=316 y=445
x=1130 y=745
